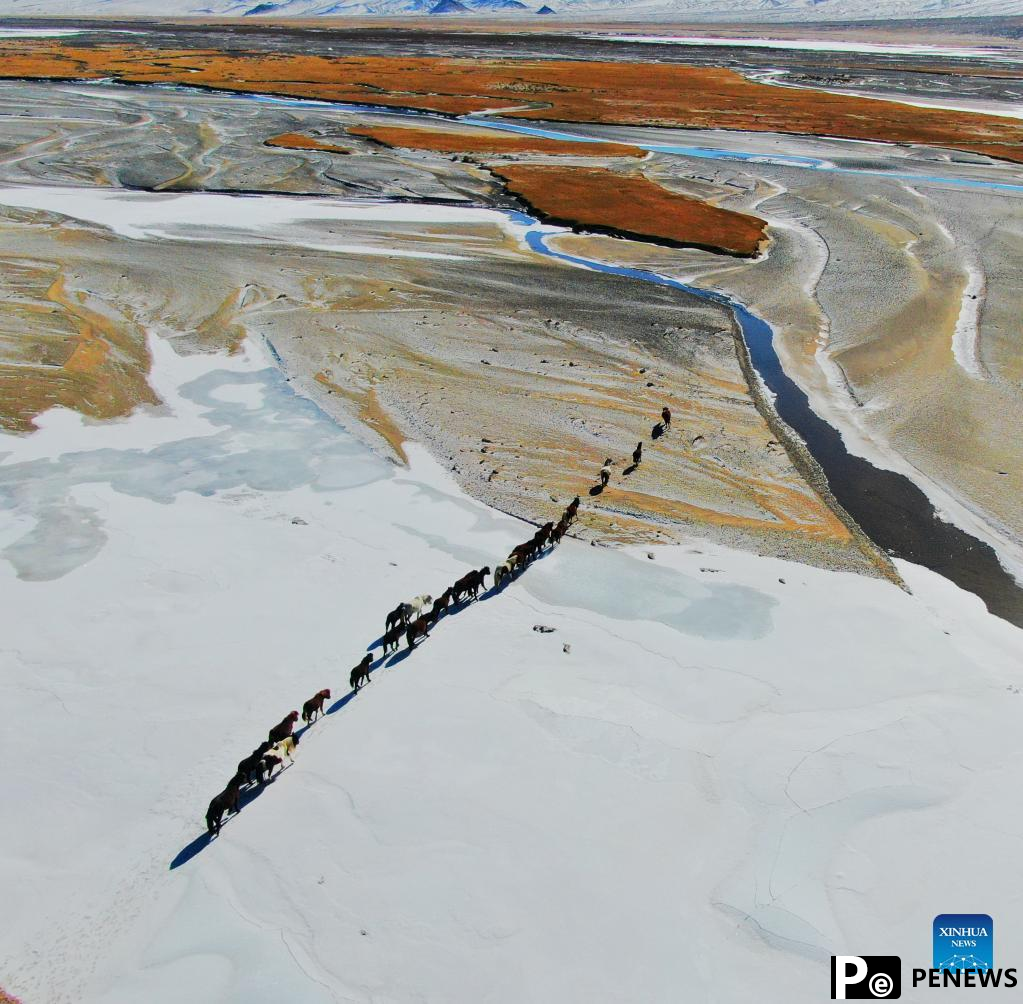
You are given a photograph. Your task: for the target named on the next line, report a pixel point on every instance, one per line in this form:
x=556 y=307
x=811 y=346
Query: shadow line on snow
x=251 y=792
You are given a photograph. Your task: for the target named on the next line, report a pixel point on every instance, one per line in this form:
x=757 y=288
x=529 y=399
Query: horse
x=314 y=706
x=278 y=753
x=478 y=578
x=524 y=553
x=544 y=533
x=399 y=615
x=605 y=472
x=226 y=801
x=666 y=417
x=391 y=638
x=361 y=672
x=505 y=570
x=283 y=728
x=573 y=508
x=440 y=605
x=637 y=454
x=420 y=626
x=559 y=531
x=253 y=763
x=415 y=607
x=470 y=583
x=461 y=586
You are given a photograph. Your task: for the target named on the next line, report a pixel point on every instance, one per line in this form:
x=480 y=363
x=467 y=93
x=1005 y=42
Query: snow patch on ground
x=188 y=216
x=741 y=765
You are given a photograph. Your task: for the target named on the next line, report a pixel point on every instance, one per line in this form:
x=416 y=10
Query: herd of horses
x=412 y=621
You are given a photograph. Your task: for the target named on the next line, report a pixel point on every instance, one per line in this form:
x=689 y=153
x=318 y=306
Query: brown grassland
x=296 y=141
x=630 y=205
x=560 y=90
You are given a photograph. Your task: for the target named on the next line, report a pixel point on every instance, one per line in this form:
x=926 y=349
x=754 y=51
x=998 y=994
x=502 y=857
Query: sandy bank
x=519 y=382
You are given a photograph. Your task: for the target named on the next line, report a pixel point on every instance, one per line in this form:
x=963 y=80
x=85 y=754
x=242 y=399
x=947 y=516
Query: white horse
x=505 y=570
x=279 y=752
x=415 y=606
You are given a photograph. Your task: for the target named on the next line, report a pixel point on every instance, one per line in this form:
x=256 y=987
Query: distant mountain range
x=683 y=10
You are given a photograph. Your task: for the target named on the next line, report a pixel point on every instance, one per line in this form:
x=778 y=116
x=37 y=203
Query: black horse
x=253 y=763
x=360 y=674
x=226 y=801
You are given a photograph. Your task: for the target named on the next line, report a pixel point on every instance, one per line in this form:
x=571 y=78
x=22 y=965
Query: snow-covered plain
x=740 y=766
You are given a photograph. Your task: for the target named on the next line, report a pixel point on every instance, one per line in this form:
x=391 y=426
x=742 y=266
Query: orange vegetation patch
x=568 y=91
x=72 y=355
x=489 y=142
x=598 y=200
x=296 y=141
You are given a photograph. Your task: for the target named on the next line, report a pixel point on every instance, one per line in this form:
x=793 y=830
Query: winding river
x=889 y=507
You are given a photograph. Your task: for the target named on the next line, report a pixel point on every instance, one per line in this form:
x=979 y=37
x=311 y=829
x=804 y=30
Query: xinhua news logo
x=866 y=977
x=963 y=956
x=964 y=941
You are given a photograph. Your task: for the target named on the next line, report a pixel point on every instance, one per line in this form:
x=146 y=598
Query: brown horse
x=637 y=454
x=440 y=606
x=523 y=553
x=666 y=417
x=420 y=627
x=226 y=801
x=313 y=708
x=559 y=531
x=573 y=508
x=360 y=674
x=470 y=583
x=283 y=728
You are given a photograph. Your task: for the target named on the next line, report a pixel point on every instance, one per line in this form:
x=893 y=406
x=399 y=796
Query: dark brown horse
x=470 y=583
x=391 y=638
x=573 y=508
x=666 y=417
x=637 y=454
x=524 y=553
x=226 y=801
x=559 y=531
x=253 y=763
x=283 y=728
x=440 y=606
x=313 y=708
x=419 y=628
x=360 y=674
